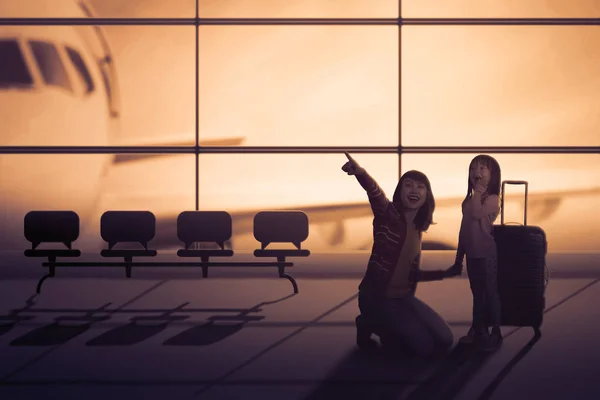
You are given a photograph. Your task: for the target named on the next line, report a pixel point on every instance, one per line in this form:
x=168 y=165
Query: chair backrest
x=127 y=226
x=204 y=226
x=51 y=227
x=281 y=227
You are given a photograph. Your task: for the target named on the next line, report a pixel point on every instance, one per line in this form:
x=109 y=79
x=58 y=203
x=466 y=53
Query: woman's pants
x=406 y=323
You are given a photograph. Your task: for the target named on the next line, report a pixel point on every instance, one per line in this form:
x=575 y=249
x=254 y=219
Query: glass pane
x=50 y=64
x=500 y=9
x=81 y=68
x=500 y=86
x=89 y=185
x=244 y=184
x=99 y=9
x=146 y=97
x=156 y=66
x=299 y=9
x=299 y=85
x=564 y=191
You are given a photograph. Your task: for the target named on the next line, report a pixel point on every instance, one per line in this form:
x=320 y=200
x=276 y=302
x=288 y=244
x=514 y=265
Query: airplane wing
x=243 y=221
x=540 y=206
x=174 y=141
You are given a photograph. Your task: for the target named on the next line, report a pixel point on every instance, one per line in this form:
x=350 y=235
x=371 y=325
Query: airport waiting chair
x=128 y=226
x=192 y=227
x=281 y=227
x=204 y=227
x=51 y=227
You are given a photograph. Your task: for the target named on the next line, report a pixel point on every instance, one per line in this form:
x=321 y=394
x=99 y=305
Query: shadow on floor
x=372 y=375
x=66 y=328
x=491 y=388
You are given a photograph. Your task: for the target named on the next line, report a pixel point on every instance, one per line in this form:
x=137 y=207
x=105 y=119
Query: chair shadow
x=8 y=322
x=204 y=335
x=66 y=328
x=367 y=375
x=136 y=331
x=51 y=335
x=63 y=329
x=213 y=331
x=6 y=326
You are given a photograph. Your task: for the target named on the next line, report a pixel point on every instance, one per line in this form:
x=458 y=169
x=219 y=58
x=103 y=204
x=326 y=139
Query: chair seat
x=52 y=252
x=281 y=253
x=128 y=253
x=204 y=253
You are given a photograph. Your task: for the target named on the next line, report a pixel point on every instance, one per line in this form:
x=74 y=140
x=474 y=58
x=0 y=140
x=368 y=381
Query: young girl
x=480 y=209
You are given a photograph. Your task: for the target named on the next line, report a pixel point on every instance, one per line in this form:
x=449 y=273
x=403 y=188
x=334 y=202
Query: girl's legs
x=476 y=269
x=483 y=278
x=493 y=301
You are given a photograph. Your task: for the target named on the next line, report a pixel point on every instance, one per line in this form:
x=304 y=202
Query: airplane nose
x=28 y=120
x=12 y=121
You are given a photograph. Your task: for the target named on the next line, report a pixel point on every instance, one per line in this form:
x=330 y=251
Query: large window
x=248 y=105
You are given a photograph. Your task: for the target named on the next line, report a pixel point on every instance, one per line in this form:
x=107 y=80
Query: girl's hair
x=424 y=216
x=495 y=175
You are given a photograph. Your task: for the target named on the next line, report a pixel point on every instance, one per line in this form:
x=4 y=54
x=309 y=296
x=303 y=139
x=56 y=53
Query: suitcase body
x=522 y=270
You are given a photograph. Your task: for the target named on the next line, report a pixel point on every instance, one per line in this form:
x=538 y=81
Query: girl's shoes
x=469 y=338
x=493 y=341
x=486 y=342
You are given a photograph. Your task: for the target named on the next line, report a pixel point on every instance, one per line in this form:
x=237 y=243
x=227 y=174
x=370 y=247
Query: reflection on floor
x=219 y=338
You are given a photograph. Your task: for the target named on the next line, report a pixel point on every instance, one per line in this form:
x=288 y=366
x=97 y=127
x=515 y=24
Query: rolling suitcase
x=522 y=272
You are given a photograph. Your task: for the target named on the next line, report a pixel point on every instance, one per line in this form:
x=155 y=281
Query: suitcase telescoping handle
x=502 y=201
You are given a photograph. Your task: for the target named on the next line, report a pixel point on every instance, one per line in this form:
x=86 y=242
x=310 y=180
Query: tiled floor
x=252 y=338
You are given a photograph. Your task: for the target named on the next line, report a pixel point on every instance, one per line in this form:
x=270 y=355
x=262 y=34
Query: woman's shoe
x=364 y=331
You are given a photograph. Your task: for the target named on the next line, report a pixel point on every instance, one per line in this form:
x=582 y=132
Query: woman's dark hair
x=495 y=175
x=424 y=216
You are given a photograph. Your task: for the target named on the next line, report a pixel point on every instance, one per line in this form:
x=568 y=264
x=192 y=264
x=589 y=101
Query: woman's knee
x=436 y=342
x=423 y=346
x=436 y=326
x=445 y=339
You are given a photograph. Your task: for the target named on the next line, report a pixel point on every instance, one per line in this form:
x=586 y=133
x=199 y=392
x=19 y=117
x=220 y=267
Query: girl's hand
x=352 y=167
x=480 y=188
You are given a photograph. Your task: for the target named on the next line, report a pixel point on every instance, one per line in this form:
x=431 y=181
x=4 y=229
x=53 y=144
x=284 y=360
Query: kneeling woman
x=387 y=299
